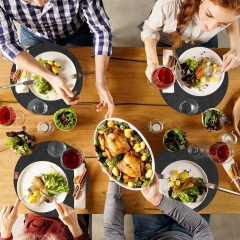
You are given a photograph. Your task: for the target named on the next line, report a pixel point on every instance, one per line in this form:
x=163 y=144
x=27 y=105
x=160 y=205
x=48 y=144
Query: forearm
x=151 y=50
x=233 y=34
x=6 y=233
x=187 y=218
x=101 y=63
x=114 y=213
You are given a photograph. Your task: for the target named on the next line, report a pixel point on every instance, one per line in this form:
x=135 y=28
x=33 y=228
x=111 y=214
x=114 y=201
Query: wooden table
x=136 y=103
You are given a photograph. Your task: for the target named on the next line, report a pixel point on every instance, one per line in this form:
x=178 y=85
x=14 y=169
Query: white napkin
x=166 y=54
x=81 y=201
x=227 y=167
x=22 y=88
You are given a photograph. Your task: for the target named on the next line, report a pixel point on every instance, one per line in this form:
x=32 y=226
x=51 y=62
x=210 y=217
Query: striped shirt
x=57 y=19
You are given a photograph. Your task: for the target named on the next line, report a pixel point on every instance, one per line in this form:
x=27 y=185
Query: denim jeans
x=212 y=43
x=147 y=226
x=81 y=37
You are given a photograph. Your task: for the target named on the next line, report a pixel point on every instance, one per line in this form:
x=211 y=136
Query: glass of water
x=197 y=150
x=45 y=127
x=230 y=138
x=56 y=148
x=37 y=106
x=155 y=126
x=189 y=107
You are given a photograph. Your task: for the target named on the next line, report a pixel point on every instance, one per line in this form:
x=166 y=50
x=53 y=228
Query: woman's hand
x=151 y=192
x=151 y=67
x=231 y=59
x=8 y=216
x=69 y=217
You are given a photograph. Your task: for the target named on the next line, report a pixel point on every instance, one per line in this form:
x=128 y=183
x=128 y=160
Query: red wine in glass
x=7 y=116
x=219 y=152
x=163 y=78
x=72 y=158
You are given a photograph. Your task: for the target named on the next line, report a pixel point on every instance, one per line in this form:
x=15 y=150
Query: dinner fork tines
x=163 y=176
x=26 y=192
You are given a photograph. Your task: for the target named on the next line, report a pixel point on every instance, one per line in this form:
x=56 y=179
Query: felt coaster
x=40 y=154
x=53 y=106
x=204 y=102
x=166 y=157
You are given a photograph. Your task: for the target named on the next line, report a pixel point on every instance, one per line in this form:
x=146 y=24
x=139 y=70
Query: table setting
x=148 y=125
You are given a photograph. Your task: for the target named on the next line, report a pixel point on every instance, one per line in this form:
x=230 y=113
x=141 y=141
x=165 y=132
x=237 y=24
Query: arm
x=114 y=213
x=184 y=215
x=232 y=58
x=8 y=217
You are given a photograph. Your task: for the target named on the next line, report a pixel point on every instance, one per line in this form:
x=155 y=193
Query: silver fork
x=214 y=186
x=163 y=176
x=78 y=75
x=26 y=192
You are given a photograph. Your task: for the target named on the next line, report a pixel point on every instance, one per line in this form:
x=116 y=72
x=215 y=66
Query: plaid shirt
x=58 y=19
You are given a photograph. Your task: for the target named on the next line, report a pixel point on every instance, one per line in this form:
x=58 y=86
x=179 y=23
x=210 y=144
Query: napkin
x=81 y=201
x=227 y=167
x=22 y=88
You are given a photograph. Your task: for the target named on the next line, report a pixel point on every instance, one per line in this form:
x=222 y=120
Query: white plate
x=194 y=171
x=24 y=182
x=199 y=52
x=143 y=138
x=67 y=69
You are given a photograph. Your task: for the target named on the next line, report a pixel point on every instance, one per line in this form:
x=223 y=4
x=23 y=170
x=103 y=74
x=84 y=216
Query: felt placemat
x=40 y=154
x=166 y=157
x=204 y=102
x=53 y=106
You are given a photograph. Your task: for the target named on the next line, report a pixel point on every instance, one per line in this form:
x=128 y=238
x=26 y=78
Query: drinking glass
x=189 y=107
x=56 y=148
x=220 y=152
x=197 y=150
x=72 y=158
x=162 y=78
x=45 y=127
x=155 y=126
x=229 y=138
x=37 y=106
x=9 y=116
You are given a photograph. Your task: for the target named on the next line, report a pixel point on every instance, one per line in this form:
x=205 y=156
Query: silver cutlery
x=26 y=192
x=26 y=83
x=78 y=75
x=176 y=56
x=163 y=176
x=214 y=186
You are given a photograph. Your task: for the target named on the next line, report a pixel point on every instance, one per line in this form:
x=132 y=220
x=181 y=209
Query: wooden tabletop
x=136 y=103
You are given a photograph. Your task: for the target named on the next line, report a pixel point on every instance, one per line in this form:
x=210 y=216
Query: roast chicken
x=190 y=182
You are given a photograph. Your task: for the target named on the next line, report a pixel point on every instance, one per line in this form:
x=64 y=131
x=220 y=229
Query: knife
x=176 y=56
x=214 y=186
x=29 y=82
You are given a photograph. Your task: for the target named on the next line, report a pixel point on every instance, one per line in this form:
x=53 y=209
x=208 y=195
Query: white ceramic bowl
x=142 y=137
x=204 y=114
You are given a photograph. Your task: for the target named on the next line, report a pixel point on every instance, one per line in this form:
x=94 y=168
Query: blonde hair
x=189 y=7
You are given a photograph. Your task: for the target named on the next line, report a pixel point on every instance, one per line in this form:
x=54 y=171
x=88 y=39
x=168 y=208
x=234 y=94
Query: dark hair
x=189 y=7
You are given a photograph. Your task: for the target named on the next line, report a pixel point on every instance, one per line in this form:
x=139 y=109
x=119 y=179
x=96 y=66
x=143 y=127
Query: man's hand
x=69 y=217
x=8 y=216
x=151 y=192
x=231 y=59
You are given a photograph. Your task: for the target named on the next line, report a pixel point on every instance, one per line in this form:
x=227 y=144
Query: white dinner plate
x=194 y=171
x=67 y=69
x=24 y=182
x=199 y=52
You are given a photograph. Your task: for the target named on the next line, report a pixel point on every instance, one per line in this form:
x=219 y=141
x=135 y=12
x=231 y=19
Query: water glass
x=45 y=127
x=72 y=158
x=189 y=107
x=229 y=138
x=37 y=106
x=56 y=148
x=197 y=150
x=155 y=126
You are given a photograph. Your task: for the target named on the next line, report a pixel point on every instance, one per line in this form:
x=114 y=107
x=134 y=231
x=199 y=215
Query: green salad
x=65 y=119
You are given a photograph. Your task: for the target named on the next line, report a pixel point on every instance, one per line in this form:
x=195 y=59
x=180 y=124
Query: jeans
x=212 y=43
x=81 y=37
x=147 y=226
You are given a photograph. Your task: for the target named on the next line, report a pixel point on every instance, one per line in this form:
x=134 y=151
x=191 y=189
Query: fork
x=214 y=186
x=163 y=176
x=78 y=75
x=26 y=192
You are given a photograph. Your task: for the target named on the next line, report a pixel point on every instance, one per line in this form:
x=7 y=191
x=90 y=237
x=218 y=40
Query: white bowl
x=142 y=137
x=204 y=114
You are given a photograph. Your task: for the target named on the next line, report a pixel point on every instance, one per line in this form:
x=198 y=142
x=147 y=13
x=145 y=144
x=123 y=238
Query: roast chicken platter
x=124 y=153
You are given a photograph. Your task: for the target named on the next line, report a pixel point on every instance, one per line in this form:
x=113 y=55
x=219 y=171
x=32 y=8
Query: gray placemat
x=40 y=154
x=204 y=102
x=53 y=106
x=166 y=157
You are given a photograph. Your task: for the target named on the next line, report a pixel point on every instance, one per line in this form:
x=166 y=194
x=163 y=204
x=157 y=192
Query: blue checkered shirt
x=58 y=19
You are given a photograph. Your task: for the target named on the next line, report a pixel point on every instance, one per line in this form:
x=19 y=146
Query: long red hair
x=189 y=7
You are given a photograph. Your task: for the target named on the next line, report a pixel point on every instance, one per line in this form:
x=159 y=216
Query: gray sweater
x=186 y=217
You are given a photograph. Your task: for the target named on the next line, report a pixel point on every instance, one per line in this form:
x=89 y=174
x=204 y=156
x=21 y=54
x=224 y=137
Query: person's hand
x=106 y=100
x=8 y=216
x=69 y=217
x=231 y=59
x=151 y=192
x=151 y=67
x=63 y=91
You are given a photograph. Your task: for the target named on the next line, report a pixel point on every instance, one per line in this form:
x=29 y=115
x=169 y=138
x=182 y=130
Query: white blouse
x=163 y=21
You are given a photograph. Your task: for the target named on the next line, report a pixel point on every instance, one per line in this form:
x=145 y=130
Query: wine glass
x=220 y=152
x=72 y=158
x=9 y=116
